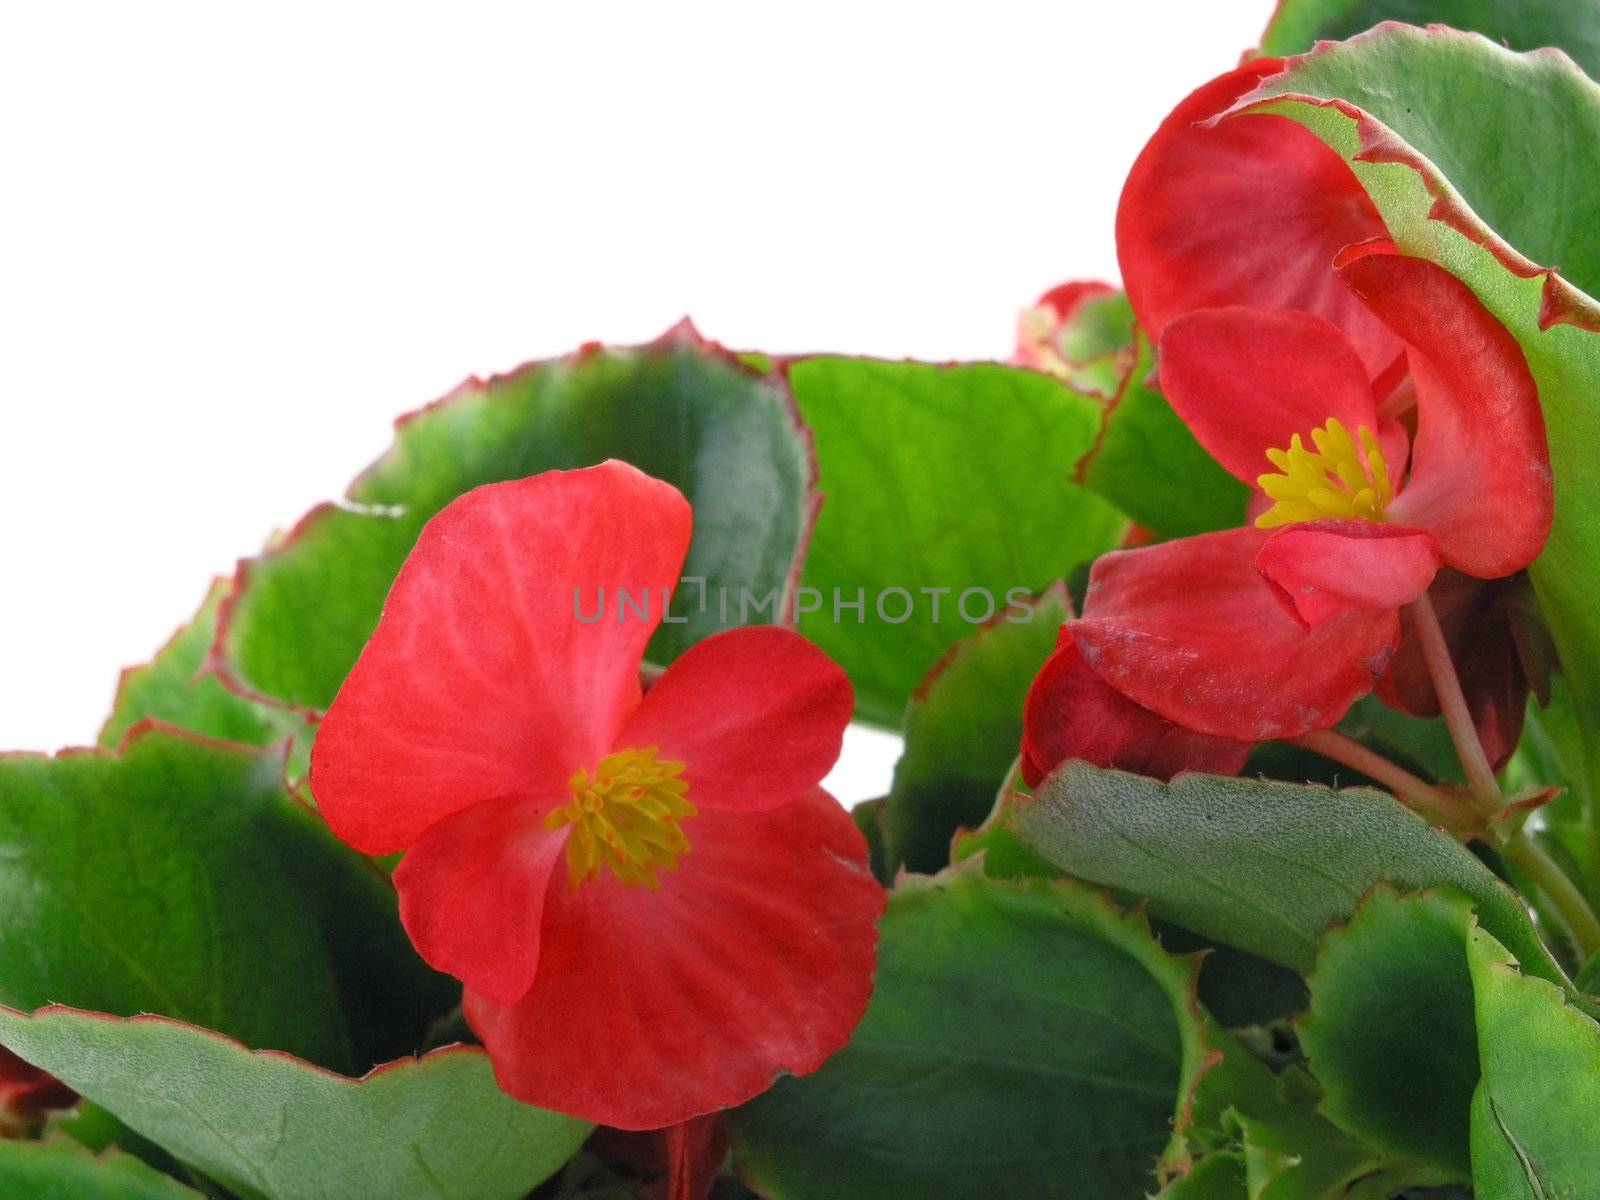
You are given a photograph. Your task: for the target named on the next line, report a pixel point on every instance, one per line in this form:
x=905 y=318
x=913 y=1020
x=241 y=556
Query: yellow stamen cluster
x=625 y=816
x=1336 y=480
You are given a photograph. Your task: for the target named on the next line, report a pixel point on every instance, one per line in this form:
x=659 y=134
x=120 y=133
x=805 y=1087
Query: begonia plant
x=471 y=839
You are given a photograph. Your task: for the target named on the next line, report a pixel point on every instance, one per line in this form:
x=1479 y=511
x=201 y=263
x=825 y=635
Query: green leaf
x=1552 y=752
x=868 y=816
x=1533 y=1113
x=1390 y=1033
x=174 y=687
x=1218 y=1176
x=1573 y=25
x=963 y=729
x=1481 y=160
x=178 y=878
x=1022 y=1035
x=680 y=408
x=1149 y=465
x=1260 y=865
x=98 y=1131
x=270 y=1127
x=943 y=486
x=61 y=1169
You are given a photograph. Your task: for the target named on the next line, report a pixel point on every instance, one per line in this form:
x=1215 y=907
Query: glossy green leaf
x=178 y=878
x=1024 y=1039
x=946 y=496
x=963 y=729
x=61 y=1169
x=1260 y=865
x=1572 y=25
x=1487 y=162
x=680 y=409
x=174 y=687
x=270 y=1127
x=1390 y=1033
x=1149 y=465
x=1533 y=1130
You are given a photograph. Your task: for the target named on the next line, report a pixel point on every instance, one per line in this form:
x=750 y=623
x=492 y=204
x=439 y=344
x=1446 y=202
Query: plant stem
x=1569 y=903
x=1427 y=799
x=1563 y=894
x=1453 y=702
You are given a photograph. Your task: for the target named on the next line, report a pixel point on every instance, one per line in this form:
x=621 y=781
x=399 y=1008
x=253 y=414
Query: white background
x=236 y=241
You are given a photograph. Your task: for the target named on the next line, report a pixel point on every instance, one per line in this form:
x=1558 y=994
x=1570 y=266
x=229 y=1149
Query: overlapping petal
x=756 y=715
x=1190 y=630
x=1247 y=381
x=1249 y=211
x=481 y=681
x=1071 y=714
x=472 y=893
x=754 y=957
x=1480 y=466
x=1323 y=568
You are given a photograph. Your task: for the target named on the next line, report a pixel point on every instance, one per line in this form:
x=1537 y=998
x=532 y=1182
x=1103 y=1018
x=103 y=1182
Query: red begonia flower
x=1268 y=633
x=1071 y=714
x=652 y=905
x=1359 y=526
x=1250 y=211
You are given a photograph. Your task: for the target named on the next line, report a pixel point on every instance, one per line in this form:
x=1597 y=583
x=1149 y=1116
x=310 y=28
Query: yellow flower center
x=625 y=816
x=1338 y=479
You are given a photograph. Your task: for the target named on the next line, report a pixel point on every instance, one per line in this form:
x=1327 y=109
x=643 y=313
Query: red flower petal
x=1479 y=622
x=1190 y=629
x=1480 y=466
x=472 y=894
x=27 y=1093
x=1251 y=211
x=756 y=715
x=1245 y=381
x=480 y=681
x=1322 y=568
x=651 y=1007
x=1071 y=714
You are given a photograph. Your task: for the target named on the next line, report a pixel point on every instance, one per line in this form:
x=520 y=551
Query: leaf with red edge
x=271 y=1127
x=177 y=877
x=1571 y=25
x=174 y=687
x=681 y=409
